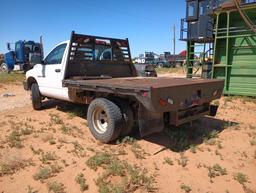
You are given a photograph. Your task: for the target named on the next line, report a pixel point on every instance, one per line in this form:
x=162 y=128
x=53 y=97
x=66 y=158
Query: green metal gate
x=235 y=51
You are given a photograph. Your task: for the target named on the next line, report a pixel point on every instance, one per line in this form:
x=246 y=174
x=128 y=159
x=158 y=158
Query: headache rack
x=83 y=48
x=96 y=56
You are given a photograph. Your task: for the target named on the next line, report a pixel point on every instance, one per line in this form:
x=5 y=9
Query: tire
x=160 y=65
x=36 y=97
x=4 y=68
x=128 y=117
x=104 y=120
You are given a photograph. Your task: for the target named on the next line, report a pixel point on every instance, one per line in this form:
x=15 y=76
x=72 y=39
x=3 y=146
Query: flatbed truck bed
x=138 y=82
x=177 y=90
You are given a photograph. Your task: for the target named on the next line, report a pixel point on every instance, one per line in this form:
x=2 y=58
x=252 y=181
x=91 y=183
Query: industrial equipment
x=221 y=36
x=175 y=60
x=25 y=55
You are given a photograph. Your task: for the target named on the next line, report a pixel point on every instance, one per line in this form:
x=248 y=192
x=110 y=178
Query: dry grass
x=14 y=139
x=13 y=77
x=130 y=165
x=99 y=160
x=56 y=187
x=47 y=172
x=19 y=130
x=183 y=161
x=185 y=188
x=138 y=151
x=82 y=182
x=131 y=177
x=241 y=178
x=169 y=70
x=47 y=157
x=12 y=164
x=168 y=161
x=216 y=170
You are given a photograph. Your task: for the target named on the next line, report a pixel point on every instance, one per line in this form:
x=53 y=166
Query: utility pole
x=174 y=39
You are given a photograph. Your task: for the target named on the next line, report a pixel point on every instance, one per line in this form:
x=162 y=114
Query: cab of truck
x=23 y=57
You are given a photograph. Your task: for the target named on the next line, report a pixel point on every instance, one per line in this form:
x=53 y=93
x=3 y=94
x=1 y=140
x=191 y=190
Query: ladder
x=199 y=59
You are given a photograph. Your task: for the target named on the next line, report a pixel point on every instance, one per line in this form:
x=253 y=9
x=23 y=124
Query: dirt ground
x=52 y=150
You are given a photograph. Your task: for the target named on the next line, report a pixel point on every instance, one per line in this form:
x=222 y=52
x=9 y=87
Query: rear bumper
x=191 y=114
x=152 y=122
x=25 y=85
x=181 y=97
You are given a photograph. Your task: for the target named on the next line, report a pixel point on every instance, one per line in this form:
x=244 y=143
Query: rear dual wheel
x=128 y=117
x=108 y=120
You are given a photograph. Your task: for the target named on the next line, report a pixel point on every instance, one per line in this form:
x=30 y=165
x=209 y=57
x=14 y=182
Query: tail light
x=145 y=94
x=163 y=102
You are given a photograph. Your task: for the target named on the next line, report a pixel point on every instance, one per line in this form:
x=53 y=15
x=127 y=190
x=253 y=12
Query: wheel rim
x=160 y=66
x=100 y=120
x=4 y=68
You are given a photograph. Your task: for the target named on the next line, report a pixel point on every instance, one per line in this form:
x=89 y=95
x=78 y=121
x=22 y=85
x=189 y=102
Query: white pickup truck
x=98 y=71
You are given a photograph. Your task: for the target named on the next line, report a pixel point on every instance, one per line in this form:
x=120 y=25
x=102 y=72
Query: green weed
x=216 y=170
x=55 y=119
x=12 y=166
x=168 y=160
x=47 y=157
x=183 y=160
x=138 y=151
x=131 y=178
x=47 y=172
x=30 y=189
x=82 y=182
x=56 y=187
x=185 y=188
x=14 y=139
x=241 y=178
x=98 y=160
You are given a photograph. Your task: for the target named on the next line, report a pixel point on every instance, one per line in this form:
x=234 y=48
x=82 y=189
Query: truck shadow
x=67 y=107
x=182 y=138
x=177 y=139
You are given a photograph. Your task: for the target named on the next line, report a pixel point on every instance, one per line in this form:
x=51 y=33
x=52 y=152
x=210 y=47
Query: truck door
x=51 y=75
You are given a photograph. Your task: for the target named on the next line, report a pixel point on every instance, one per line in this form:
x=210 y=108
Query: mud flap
x=213 y=110
x=149 y=122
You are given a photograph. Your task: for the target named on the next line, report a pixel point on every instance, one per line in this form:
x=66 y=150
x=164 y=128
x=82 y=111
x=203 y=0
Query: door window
x=55 y=56
x=192 y=8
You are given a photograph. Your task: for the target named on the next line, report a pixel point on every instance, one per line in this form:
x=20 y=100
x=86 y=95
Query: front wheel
x=105 y=120
x=36 y=97
x=4 y=68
